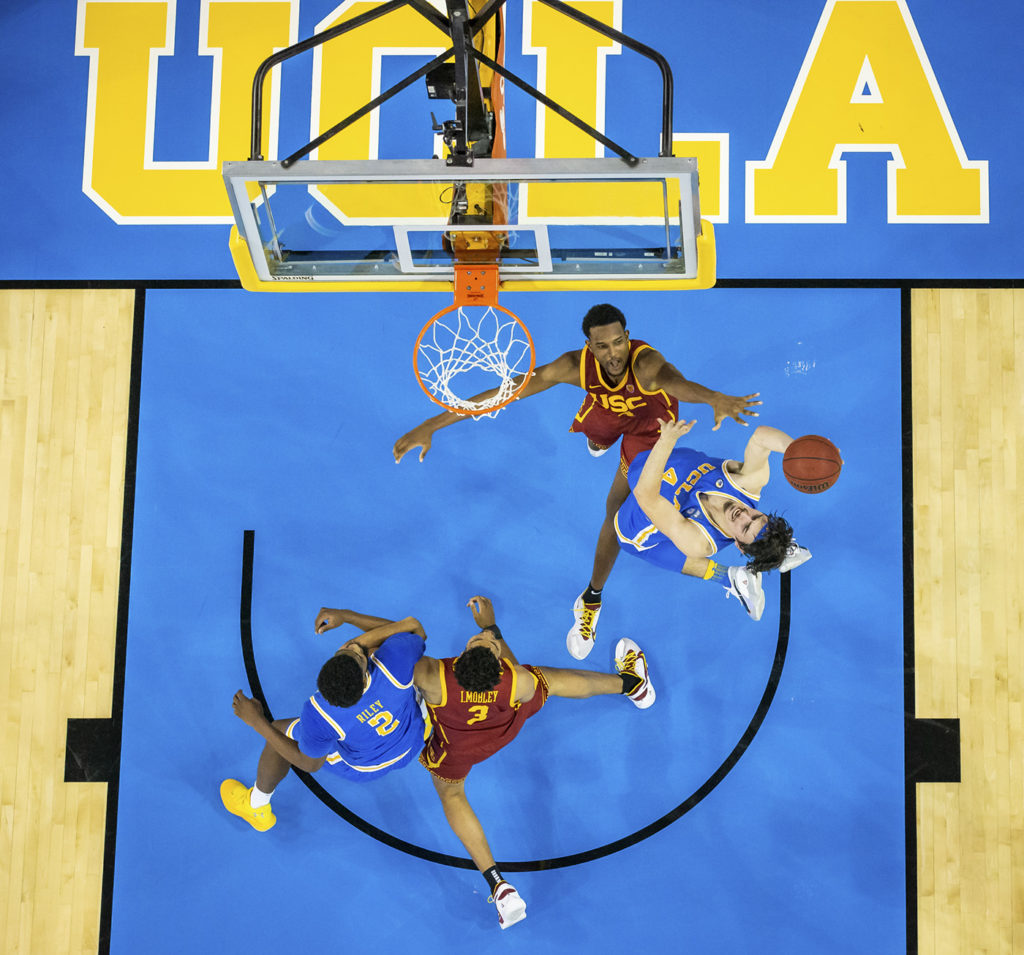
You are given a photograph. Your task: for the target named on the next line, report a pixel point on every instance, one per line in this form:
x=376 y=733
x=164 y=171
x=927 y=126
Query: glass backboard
x=404 y=224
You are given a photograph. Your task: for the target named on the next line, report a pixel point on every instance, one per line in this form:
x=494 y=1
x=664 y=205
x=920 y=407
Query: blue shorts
x=337 y=764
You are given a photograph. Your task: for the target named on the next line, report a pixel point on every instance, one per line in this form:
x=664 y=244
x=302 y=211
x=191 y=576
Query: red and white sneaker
x=580 y=639
x=509 y=903
x=629 y=658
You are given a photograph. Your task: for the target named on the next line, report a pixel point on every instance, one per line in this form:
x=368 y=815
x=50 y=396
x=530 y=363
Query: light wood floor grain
x=64 y=364
x=968 y=411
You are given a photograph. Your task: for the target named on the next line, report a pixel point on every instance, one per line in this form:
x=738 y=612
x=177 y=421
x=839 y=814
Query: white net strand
x=458 y=343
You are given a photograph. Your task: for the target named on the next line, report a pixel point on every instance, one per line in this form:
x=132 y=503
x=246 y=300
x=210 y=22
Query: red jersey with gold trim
x=625 y=409
x=470 y=726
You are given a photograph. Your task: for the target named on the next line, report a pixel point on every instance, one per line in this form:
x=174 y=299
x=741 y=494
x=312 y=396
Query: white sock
x=259 y=798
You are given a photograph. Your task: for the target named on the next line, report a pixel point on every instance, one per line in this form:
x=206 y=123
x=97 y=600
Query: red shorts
x=604 y=429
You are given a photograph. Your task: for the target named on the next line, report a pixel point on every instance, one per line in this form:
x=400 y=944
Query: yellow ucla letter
x=866 y=86
x=124 y=40
x=346 y=76
x=571 y=69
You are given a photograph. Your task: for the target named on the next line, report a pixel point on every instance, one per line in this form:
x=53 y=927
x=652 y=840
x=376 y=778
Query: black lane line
x=909 y=691
x=245 y=620
x=121 y=638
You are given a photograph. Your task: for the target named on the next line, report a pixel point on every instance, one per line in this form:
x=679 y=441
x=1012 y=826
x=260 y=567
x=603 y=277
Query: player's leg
x=466 y=825
x=631 y=678
x=253 y=803
x=464 y=821
x=607 y=550
x=587 y=608
x=273 y=767
x=580 y=684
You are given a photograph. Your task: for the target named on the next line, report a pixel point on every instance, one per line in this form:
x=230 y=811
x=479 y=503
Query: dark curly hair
x=341 y=680
x=602 y=315
x=769 y=550
x=477 y=669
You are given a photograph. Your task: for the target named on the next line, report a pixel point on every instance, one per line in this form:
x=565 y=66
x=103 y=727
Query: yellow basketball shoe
x=235 y=796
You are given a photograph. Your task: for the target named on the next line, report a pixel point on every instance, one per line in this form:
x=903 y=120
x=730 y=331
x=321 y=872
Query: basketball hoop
x=465 y=346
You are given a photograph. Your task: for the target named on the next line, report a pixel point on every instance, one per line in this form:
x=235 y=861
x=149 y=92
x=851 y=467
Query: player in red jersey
x=629 y=386
x=478 y=703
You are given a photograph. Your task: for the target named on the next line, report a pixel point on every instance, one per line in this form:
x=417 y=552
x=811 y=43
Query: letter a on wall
x=866 y=86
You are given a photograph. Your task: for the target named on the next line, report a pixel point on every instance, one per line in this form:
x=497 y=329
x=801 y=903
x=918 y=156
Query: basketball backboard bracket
x=470 y=122
x=405 y=224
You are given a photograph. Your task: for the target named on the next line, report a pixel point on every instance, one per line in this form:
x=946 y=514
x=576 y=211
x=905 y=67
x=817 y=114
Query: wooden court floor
x=65 y=363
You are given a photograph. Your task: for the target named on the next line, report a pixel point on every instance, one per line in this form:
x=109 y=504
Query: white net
x=462 y=352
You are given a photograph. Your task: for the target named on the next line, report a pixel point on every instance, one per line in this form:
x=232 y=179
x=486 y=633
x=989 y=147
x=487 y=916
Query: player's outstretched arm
x=648 y=493
x=328 y=618
x=657 y=373
x=561 y=371
x=483 y=615
x=754 y=471
x=250 y=712
x=375 y=629
x=373 y=638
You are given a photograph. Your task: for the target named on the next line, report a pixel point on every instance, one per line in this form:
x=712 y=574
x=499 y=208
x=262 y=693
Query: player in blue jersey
x=629 y=386
x=685 y=505
x=364 y=720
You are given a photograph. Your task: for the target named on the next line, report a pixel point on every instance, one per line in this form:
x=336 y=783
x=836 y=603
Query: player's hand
x=328 y=619
x=672 y=431
x=419 y=437
x=734 y=406
x=483 y=611
x=248 y=710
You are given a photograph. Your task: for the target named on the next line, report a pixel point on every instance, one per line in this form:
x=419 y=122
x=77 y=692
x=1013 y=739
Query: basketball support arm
x=471 y=119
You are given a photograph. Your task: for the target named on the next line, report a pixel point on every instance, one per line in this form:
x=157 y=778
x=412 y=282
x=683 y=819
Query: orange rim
x=472 y=412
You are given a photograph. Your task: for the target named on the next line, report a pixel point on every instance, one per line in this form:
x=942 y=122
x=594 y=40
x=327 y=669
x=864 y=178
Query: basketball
x=812 y=464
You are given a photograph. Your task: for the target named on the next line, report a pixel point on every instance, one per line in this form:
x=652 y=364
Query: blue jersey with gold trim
x=688 y=474
x=383 y=727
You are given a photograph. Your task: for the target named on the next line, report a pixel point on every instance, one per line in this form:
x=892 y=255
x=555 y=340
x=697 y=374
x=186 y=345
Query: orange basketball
x=812 y=464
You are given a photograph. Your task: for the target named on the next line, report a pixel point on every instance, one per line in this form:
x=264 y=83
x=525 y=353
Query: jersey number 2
x=383 y=723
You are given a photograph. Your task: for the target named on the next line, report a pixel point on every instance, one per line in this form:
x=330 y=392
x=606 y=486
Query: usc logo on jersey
x=623 y=407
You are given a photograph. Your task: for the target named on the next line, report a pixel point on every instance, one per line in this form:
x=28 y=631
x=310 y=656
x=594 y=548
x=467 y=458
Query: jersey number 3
x=479 y=715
